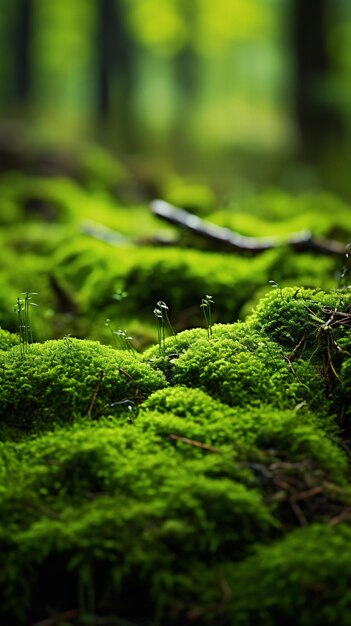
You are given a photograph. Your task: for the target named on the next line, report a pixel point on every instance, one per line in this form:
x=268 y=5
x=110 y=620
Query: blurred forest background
x=241 y=92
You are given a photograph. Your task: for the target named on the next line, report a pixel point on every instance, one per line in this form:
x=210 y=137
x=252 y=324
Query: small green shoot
x=276 y=285
x=342 y=286
x=123 y=340
x=120 y=338
x=207 y=311
x=23 y=320
x=163 y=321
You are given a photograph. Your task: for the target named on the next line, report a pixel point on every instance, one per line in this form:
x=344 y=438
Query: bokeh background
x=242 y=92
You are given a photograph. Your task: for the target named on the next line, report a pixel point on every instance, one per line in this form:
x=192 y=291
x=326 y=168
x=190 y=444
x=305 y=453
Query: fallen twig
x=197 y=444
x=95 y=394
x=231 y=240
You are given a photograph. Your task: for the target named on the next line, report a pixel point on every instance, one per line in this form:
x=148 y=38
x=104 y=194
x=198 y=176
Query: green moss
x=197 y=198
x=56 y=382
x=302 y=579
x=55 y=212
x=230 y=442
x=30 y=272
x=31 y=238
x=174 y=346
x=149 y=275
x=278 y=213
x=343 y=391
x=243 y=432
x=313 y=326
x=112 y=501
x=62 y=201
x=7 y=339
x=245 y=369
x=293 y=315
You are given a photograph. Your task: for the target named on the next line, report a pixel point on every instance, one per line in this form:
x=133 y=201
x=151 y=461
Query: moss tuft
x=114 y=502
x=296 y=435
x=59 y=381
x=244 y=368
x=302 y=579
x=294 y=317
x=7 y=339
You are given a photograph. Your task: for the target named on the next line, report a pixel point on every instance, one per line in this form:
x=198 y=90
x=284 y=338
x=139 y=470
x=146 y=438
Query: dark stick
x=95 y=394
x=196 y=444
x=229 y=239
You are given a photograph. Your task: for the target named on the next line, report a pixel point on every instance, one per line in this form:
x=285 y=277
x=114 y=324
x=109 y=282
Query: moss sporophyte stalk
x=163 y=322
x=23 y=320
x=120 y=338
x=344 y=278
x=207 y=311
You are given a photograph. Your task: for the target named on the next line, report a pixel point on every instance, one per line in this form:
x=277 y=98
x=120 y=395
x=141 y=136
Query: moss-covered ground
x=203 y=480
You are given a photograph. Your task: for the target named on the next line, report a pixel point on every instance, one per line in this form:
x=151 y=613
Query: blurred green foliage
x=196 y=81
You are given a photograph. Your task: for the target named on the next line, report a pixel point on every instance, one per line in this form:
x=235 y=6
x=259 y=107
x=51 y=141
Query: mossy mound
x=302 y=579
x=111 y=509
x=57 y=219
x=58 y=381
x=302 y=319
x=276 y=212
x=313 y=326
x=116 y=513
x=294 y=348
x=7 y=339
x=242 y=367
x=148 y=275
x=243 y=432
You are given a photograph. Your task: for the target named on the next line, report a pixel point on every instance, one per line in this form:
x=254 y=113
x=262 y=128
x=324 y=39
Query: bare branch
x=231 y=240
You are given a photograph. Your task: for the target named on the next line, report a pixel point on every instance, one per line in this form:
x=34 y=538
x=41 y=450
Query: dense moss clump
x=302 y=320
x=240 y=367
x=111 y=506
x=302 y=579
x=312 y=326
x=193 y=414
x=58 y=381
x=7 y=339
x=146 y=274
x=117 y=514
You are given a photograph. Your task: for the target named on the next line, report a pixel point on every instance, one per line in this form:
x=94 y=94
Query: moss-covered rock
x=58 y=381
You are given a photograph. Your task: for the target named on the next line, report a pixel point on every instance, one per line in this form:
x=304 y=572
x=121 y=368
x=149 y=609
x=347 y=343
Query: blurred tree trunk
x=116 y=70
x=186 y=74
x=106 y=60
x=317 y=118
x=22 y=87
